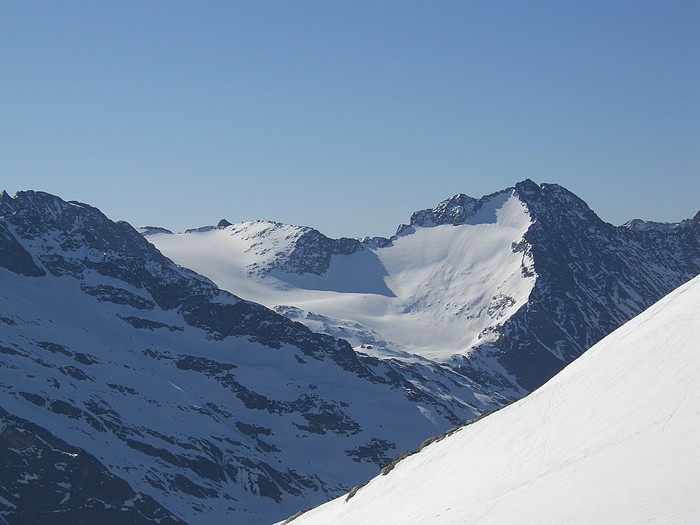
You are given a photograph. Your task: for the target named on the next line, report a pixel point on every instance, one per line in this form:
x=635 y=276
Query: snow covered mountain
x=614 y=438
x=196 y=405
x=406 y=294
x=505 y=290
x=191 y=403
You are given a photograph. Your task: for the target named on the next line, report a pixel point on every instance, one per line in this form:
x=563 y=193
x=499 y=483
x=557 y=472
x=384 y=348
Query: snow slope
x=614 y=438
x=433 y=291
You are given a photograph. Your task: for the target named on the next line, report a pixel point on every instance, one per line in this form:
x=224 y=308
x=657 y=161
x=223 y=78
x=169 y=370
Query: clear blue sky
x=348 y=115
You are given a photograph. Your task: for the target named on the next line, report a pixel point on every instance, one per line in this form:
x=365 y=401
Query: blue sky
x=348 y=115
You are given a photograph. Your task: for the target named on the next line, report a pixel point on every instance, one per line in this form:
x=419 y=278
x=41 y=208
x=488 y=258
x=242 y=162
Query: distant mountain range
x=204 y=406
x=507 y=289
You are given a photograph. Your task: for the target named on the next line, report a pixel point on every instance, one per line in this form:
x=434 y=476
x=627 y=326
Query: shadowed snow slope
x=613 y=438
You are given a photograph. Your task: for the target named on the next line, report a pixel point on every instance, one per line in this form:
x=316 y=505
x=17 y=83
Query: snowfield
x=433 y=292
x=614 y=439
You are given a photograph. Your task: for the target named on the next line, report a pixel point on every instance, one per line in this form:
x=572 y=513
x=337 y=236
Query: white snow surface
x=613 y=439
x=433 y=292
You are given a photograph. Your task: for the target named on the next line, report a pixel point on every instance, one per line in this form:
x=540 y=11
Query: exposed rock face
x=46 y=480
x=313 y=251
x=591 y=278
x=455 y=210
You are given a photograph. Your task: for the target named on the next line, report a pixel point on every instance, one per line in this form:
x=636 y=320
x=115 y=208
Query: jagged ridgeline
x=209 y=408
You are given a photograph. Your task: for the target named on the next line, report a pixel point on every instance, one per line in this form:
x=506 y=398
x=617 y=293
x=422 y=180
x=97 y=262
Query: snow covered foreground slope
x=614 y=439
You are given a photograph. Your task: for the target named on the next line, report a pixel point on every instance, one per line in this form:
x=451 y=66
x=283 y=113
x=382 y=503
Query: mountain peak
x=540 y=199
x=454 y=210
x=528 y=185
x=39 y=207
x=555 y=203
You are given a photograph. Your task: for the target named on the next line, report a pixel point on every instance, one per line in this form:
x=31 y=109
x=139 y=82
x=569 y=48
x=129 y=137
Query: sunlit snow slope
x=434 y=290
x=614 y=439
